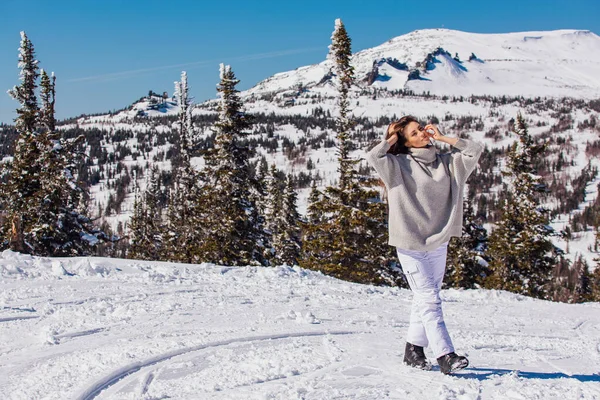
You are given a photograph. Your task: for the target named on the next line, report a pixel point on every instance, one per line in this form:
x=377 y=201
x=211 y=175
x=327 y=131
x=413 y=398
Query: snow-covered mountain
x=99 y=328
x=294 y=110
x=449 y=62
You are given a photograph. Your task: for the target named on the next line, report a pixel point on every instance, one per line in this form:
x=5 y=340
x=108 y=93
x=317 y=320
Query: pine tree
x=272 y=212
x=22 y=174
x=153 y=208
x=48 y=96
x=27 y=114
x=583 y=290
x=183 y=231
x=314 y=213
x=346 y=235
x=137 y=231
x=288 y=244
x=62 y=227
x=595 y=276
x=464 y=264
x=41 y=195
x=340 y=53
x=145 y=226
x=522 y=255
x=235 y=234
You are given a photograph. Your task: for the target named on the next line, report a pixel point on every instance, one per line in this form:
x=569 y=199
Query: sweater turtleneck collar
x=423 y=154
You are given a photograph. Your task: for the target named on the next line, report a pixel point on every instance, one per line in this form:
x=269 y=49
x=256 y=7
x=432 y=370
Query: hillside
x=97 y=328
x=448 y=62
x=293 y=120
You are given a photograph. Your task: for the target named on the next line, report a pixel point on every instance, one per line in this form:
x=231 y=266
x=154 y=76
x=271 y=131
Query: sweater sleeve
x=465 y=156
x=387 y=168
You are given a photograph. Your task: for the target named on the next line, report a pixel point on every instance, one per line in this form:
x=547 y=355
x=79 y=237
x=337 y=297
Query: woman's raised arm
x=386 y=166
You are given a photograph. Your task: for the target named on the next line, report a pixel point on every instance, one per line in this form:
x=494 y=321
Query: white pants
x=424 y=271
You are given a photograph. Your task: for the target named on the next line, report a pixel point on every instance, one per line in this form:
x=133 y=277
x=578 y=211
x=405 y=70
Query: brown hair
x=397 y=128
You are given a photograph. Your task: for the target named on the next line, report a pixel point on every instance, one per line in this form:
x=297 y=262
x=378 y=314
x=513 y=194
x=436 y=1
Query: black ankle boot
x=414 y=356
x=452 y=362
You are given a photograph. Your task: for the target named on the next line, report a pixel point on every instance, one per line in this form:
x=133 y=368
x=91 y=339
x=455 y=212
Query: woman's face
x=415 y=135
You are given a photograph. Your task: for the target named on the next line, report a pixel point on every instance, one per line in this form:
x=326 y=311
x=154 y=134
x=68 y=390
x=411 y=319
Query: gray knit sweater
x=425 y=192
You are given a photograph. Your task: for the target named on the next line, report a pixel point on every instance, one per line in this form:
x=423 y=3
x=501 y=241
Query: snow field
x=98 y=328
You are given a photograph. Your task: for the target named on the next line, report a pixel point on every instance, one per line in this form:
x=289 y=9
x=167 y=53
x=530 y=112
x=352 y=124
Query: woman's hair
x=397 y=127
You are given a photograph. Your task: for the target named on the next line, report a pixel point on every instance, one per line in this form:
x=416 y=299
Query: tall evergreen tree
x=230 y=216
x=154 y=222
x=340 y=54
x=27 y=114
x=522 y=255
x=137 y=231
x=146 y=226
x=595 y=275
x=41 y=196
x=314 y=214
x=272 y=212
x=287 y=242
x=61 y=227
x=183 y=230
x=349 y=236
x=583 y=290
x=23 y=173
x=48 y=98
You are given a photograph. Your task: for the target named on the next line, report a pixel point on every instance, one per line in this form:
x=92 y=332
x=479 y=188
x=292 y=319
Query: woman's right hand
x=392 y=139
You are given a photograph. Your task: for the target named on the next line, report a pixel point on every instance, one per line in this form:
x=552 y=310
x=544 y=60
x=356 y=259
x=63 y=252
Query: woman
x=425 y=197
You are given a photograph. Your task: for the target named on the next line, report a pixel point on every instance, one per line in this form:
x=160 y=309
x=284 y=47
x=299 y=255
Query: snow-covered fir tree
x=62 y=228
x=282 y=221
x=154 y=221
x=340 y=53
x=287 y=242
x=24 y=94
x=522 y=255
x=41 y=196
x=235 y=235
x=349 y=239
x=583 y=290
x=145 y=226
x=272 y=212
x=22 y=176
x=137 y=234
x=48 y=98
x=313 y=214
x=465 y=264
x=183 y=230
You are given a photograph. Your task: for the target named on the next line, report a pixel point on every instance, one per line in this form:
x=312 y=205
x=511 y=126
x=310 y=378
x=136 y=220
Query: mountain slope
x=294 y=124
x=548 y=63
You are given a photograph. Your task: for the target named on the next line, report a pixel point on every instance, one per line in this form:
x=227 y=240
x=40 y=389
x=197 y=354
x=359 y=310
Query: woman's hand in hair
x=435 y=134
x=393 y=138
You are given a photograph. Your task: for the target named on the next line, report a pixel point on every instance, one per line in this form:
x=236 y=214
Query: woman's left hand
x=433 y=132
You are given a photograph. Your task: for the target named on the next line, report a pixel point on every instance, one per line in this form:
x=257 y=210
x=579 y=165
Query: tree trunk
x=16 y=237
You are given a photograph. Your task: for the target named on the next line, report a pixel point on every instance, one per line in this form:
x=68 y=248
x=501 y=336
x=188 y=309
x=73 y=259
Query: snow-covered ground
x=86 y=328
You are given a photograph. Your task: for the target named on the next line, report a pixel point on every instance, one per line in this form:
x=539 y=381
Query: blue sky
x=108 y=53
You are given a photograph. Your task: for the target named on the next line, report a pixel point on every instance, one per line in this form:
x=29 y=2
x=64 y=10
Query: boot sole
x=427 y=367
x=457 y=367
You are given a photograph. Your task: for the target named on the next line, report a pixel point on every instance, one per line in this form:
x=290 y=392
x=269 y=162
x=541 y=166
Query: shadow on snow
x=487 y=373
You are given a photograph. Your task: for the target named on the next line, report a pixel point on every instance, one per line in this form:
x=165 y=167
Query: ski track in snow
x=104 y=383
x=125 y=329
x=6 y=319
